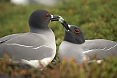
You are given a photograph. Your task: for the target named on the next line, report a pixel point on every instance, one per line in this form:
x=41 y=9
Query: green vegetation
x=96 y=18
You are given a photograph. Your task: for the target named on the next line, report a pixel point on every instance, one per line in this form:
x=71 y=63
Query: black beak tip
x=54 y=18
x=66 y=25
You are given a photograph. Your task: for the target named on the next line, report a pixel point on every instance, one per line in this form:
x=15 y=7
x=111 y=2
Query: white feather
x=38 y=63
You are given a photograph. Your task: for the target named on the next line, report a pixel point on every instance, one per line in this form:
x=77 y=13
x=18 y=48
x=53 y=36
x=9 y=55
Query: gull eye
x=76 y=31
x=47 y=15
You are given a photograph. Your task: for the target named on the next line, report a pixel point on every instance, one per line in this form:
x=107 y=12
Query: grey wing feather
x=6 y=38
x=25 y=46
x=28 y=53
x=100 y=48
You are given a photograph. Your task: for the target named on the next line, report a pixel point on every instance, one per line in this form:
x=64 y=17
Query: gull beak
x=64 y=23
x=54 y=18
x=61 y=20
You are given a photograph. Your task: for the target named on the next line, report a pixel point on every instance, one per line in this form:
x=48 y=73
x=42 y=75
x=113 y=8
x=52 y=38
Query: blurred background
x=96 y=18
x=38 y=2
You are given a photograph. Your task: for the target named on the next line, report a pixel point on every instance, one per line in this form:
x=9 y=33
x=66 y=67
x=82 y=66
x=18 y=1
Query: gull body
x=74 y=45
x=37 y=47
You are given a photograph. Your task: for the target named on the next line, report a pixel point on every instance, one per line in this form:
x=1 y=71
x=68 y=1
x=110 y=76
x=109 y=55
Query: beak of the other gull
x=61 y=20
x=64 y=23
x=54 y=18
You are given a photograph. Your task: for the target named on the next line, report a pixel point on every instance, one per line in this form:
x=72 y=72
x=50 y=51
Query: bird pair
x=37 y=47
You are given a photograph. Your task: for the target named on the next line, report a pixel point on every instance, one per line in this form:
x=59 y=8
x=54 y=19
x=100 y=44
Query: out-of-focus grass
x=107 y=69
x=96 y=18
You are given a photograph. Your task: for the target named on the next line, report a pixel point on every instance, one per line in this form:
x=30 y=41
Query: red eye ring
x=76 y=31
x=47 y=15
